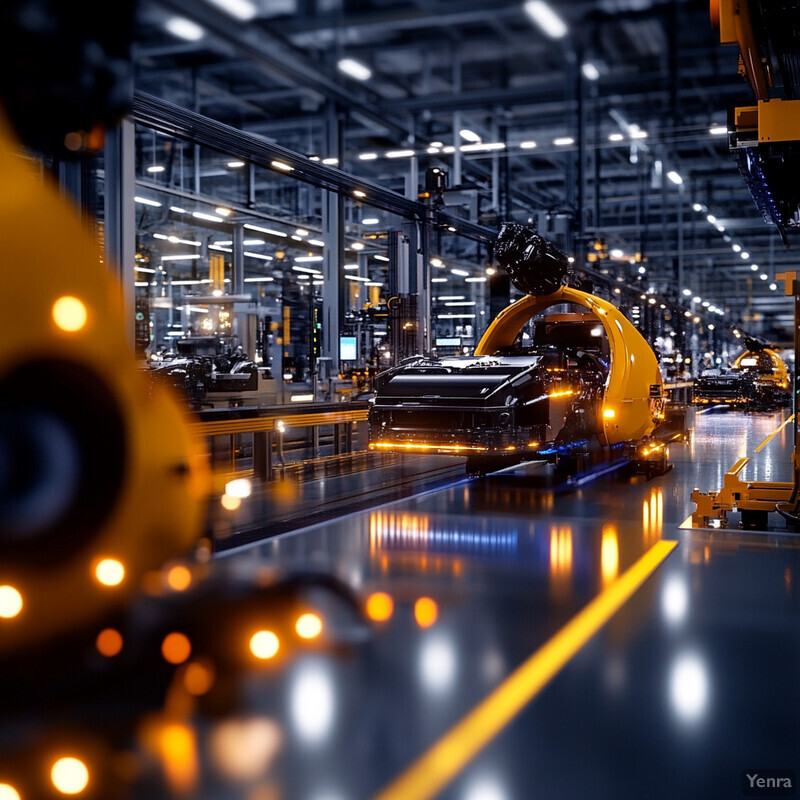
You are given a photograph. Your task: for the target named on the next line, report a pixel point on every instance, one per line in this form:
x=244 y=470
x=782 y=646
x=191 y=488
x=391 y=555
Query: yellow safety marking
x=773 y=434
x=739 y=466
x=426 y=777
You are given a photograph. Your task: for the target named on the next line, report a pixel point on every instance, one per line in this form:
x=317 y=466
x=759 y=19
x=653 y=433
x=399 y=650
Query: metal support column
x=333 y=252
x=240 y=321
x=120 y=216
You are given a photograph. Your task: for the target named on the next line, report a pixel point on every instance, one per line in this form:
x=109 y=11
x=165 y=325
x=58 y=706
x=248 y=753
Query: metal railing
x=268 y=429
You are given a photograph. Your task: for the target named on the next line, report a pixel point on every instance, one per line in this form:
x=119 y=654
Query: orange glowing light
x=179 y=578
x=110 y=572
x=308 y=626
x=264 y=645
x=380 y=606
x=178 y=750
x=609 y=554
x=176 y=648
x=198 y=678
x=69 y=775
x=69 y=314
x=109 y=642
x=10 y=602
x=230 y=503
x=426 y=612
x=8 y=792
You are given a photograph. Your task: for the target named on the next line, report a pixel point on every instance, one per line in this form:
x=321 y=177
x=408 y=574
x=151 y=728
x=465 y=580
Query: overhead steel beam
x=188 y=126
x=279 y=58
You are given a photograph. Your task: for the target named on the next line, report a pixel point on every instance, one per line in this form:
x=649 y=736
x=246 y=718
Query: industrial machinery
x=764 y=137
x=573 y=387
x=757 y=380
x=209 y=372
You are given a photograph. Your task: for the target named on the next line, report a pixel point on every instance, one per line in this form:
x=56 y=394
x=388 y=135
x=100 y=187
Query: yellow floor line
x=773 y=434
x=427 y=776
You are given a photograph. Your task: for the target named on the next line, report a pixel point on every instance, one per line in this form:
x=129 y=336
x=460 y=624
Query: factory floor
x=523 y=639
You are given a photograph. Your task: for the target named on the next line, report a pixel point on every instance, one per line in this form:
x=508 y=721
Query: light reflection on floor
x=428 y=603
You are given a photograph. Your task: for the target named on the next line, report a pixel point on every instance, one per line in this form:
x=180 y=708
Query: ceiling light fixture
x=563 y=141
x=527 y=145
x=615 y=137
x=590 y=71
x=399 y=153
x=184 y=29
x=355 y=69
x=675 y=177
x=258 y=228
x=547 y=19
x=477 y=147
x=470 y=136
x=367 y=156
x=240 y=9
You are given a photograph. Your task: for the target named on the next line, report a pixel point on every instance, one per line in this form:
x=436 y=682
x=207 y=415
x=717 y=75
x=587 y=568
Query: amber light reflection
x=653 y=516
x=560 y=560
x=609 y=554
x=386 y=527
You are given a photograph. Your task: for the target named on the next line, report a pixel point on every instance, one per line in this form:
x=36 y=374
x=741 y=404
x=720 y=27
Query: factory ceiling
x=615 y=123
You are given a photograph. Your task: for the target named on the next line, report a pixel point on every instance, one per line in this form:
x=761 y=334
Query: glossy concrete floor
x=691 y=682
x=503 y=638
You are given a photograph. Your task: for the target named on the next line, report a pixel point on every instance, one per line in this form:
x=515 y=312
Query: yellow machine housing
x=779 y=376
x=155 y=507
x=633 y=403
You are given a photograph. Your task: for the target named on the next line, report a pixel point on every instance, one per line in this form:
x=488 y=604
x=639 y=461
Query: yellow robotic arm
x=633 y=398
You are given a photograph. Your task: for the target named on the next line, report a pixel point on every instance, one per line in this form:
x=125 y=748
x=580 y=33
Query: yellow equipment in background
x=772 y=369
x=633 y=400
x=100 y=479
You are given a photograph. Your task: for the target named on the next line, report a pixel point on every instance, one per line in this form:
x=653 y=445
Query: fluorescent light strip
x=187 y=257
x=399 y=153
x=265 y=279
x=220 y=248
x=308 y=270
x=184 y=29
x=355 y=69
x=476 y=148
x=547 y=19
x=207 y=217
x=146 y=201
x=258 y=228
x=260 y=256
x=308 y=259
x=356 y=278
x=381 y=258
